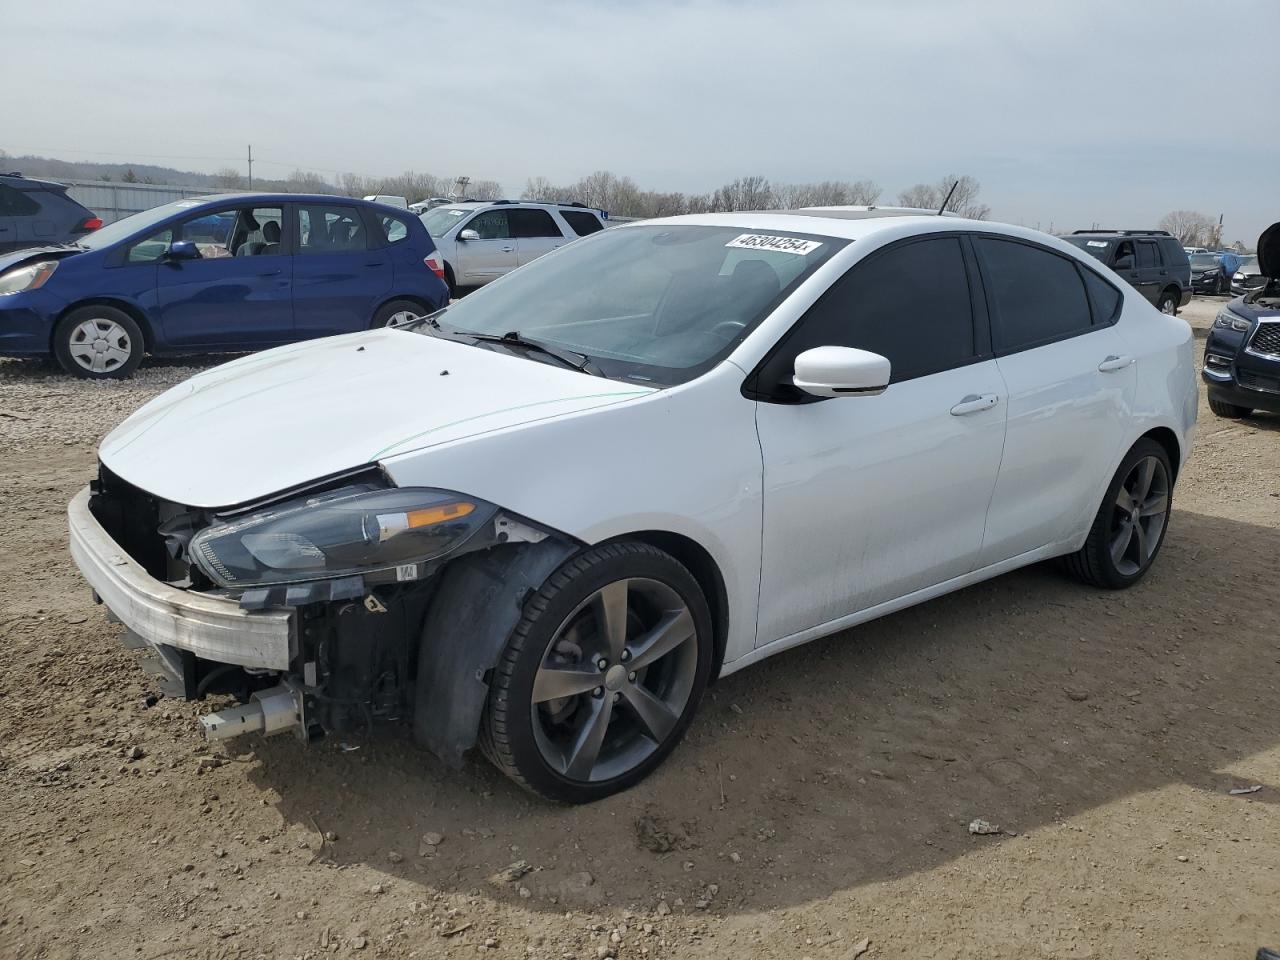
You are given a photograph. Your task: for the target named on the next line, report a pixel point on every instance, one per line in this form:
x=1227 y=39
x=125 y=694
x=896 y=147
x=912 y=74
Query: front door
x=492 y=255
x=1070 y=378
x=341 y=273
x=869 y=498
x=237 y=294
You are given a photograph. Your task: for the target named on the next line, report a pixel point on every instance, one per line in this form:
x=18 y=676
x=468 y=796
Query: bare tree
x=964 y=200
x=828 y=193
x=543 y=190
x=485 y=189
x=304 y=181
x=1191 y=228
x=228 y=178
x=745 y=193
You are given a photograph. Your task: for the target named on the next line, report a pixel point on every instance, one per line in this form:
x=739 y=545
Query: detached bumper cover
x=210 y=627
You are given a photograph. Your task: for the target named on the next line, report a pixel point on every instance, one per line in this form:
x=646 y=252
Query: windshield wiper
x=569 y=358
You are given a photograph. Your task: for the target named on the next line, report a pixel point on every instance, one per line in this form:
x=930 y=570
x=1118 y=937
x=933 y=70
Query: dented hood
x=279 y=419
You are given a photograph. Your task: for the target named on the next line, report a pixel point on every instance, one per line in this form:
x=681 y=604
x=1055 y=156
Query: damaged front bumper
x=211 y=627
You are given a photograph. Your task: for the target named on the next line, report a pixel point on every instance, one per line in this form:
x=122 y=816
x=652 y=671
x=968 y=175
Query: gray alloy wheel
x=1141 y=508
x=1168 y=304
x=100 y=345
x=400 y=316
x=615 y=680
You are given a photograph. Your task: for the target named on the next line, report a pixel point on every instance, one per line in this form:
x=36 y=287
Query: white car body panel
x=844 y=532
x=285 y=417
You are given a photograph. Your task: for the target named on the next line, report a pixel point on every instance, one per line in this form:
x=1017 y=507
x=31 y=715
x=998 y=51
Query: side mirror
x=1123 y=263
x=841 y=372
x=182 y=250
x=468 y=235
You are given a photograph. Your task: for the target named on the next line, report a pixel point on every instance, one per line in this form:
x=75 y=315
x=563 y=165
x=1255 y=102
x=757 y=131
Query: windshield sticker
x=1095 y=243
x=760 y=241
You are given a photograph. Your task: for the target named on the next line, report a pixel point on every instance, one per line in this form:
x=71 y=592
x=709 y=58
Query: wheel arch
x=1169 y=441
x=699 y=562
x=136 y=313
x=407 y=297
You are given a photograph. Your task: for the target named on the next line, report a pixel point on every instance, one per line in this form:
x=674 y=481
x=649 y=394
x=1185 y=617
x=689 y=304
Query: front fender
x=478 y=604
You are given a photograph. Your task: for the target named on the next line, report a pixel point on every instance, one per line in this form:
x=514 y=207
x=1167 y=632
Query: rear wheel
x=602 y=675
x=1168 y=302
x=396 y=312
x=1230 y=411
x=98 y=343
x=1129 y=527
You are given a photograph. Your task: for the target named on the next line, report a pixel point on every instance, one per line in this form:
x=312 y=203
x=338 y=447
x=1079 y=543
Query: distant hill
x=50 y=168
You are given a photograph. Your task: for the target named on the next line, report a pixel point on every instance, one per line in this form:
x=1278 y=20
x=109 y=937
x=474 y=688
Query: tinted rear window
x=1038 y=296
x=16 y=203
x=532 y=223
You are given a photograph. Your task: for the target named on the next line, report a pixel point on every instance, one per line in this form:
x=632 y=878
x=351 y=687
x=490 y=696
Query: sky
x=1069 y=112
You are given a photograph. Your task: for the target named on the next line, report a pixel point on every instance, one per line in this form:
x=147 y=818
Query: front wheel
x=601 y=676
x=98 y=343
x=1130 y=525
x=1168 y=303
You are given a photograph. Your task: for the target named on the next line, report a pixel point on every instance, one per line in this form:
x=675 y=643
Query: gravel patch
x=39 y=404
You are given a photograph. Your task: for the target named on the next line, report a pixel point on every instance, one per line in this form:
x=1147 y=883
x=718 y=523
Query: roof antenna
x=950 y=193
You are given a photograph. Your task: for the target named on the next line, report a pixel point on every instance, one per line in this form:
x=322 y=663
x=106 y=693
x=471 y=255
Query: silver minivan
x=483 y=240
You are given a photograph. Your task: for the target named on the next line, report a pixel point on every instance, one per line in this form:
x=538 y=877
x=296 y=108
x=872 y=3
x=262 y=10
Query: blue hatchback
x=227 y=273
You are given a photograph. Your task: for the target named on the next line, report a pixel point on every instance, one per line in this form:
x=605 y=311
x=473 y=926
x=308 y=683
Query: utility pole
x=251 y=166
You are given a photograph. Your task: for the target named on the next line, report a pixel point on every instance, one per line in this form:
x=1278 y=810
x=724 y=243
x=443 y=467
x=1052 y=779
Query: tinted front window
x=910 y=304
x=1037 y=295
x=582 y=222
x=662 y=303
x=491 y=225
x=532 y=223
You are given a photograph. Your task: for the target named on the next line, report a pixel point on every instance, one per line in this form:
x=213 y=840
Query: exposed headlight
x=32 y=276
x=1226 y=320
x=354 y=530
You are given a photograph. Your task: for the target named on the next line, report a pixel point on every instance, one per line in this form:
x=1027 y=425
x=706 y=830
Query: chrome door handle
x=507 y=249
x=974 y=403
x=1113 y=363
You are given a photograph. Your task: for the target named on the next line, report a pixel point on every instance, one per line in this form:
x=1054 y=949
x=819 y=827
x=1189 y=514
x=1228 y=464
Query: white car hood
x=278 y=419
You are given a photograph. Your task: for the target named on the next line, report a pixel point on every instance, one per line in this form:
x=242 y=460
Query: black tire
x=449 y=281
x=117 y=352
x=1094 y=563
x=387 y=312
x=1230 y=411
x=508 y=737
x=1168 y=302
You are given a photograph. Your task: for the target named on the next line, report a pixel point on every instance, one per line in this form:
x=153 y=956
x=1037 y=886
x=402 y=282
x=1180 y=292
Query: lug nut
x=631 y=677
x=626 y=655
x=598 y=692
x=602 y=664
x=617 y=697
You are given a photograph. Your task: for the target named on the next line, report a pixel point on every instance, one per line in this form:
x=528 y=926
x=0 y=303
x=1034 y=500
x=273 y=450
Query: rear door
x=342 y=271
x=535 y=231
x=1152 y=275
x=492 y=254
x=236 y=295
x=1070 y=379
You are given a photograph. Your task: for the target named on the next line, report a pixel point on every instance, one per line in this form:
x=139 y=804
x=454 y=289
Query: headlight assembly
x=32 y=276
x=1226 y=320
x=354 y=530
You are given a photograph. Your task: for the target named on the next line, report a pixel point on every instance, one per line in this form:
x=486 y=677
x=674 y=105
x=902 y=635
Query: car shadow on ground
x=860 y=758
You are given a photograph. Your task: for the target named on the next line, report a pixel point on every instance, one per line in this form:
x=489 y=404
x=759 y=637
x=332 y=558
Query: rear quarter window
x=16 y=203
x=582 y=222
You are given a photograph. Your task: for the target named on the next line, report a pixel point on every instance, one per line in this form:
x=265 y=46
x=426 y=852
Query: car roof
x=30 y=182
x=289 y=198
x=851 y=223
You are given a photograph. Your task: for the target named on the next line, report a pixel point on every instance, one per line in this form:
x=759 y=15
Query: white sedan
x=543 y=519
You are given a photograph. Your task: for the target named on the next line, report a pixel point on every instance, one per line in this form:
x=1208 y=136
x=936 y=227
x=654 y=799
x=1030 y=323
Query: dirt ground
x=823 y=798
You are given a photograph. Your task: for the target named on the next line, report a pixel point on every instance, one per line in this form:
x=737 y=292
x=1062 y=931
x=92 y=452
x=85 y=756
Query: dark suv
x=1151 y=260
x=1242 y=352
x=34 y=213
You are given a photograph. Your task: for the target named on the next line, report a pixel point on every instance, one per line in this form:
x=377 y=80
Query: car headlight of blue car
x=30 y=276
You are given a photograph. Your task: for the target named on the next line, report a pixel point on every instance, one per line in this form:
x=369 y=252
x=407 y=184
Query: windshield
x=1097 y=248
x=440 y=220
x=655 y=303
x=1203 y=260
x=123 y=229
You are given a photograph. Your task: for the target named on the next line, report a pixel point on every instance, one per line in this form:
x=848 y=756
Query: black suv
x=1242 y=353
x=34 y=213
x=1152 y=261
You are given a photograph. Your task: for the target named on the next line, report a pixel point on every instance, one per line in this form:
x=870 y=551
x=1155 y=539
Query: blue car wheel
x=98 y=343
